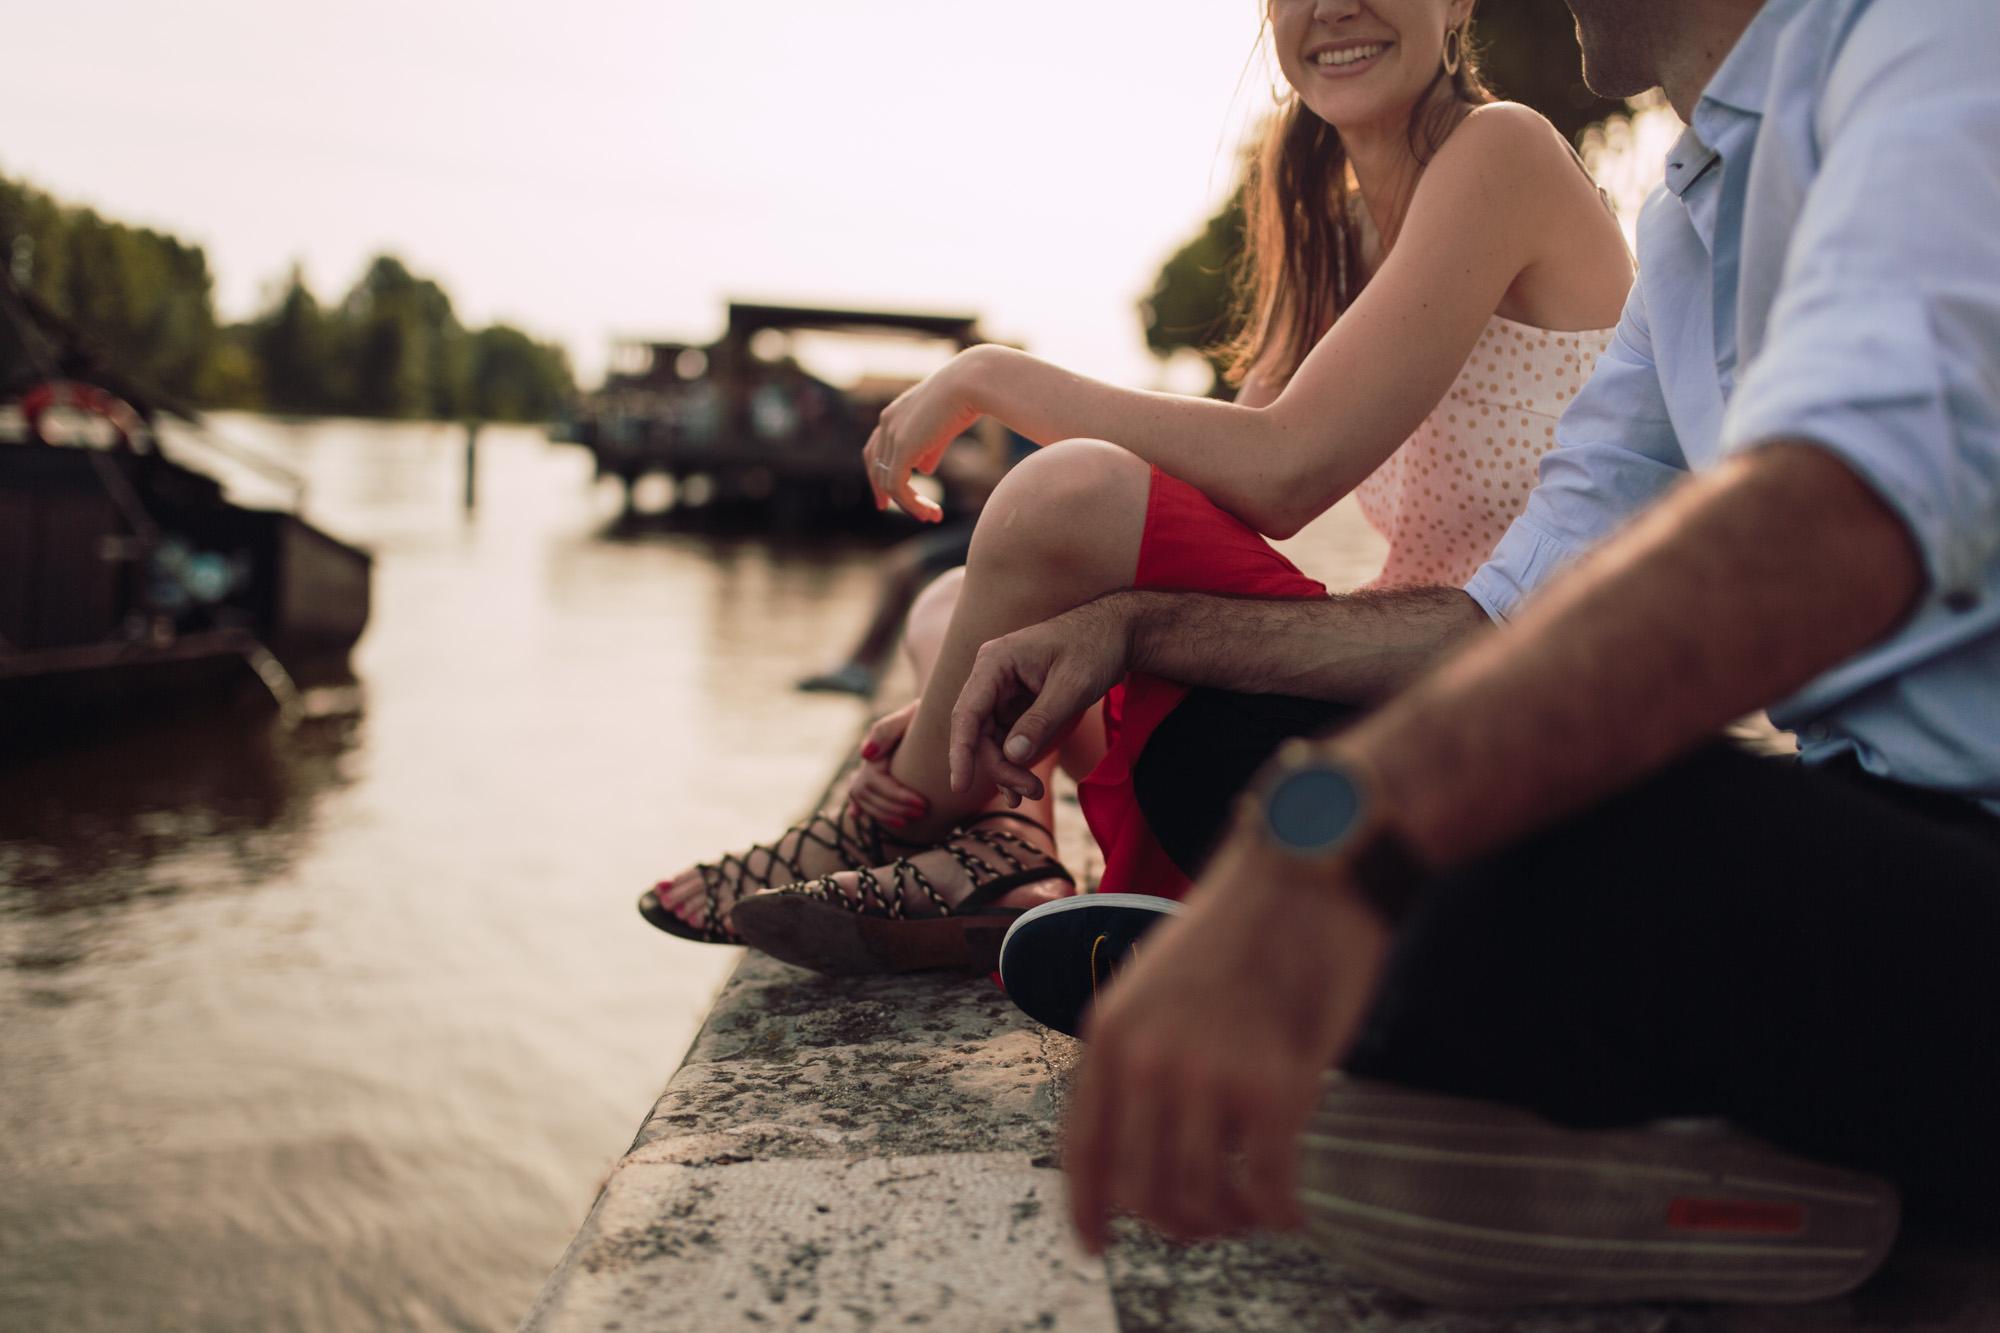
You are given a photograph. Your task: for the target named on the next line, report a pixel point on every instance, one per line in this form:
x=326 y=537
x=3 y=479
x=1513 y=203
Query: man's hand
x=1028 y=688
x=1203 y=1061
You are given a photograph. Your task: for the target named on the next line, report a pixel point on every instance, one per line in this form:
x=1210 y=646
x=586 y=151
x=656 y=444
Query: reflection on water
x=340 y=1028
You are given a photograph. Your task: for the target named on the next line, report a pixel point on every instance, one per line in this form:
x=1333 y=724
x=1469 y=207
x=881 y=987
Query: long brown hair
x=1301 y=261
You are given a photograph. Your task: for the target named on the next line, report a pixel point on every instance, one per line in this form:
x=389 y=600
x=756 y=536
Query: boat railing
x=204 y=437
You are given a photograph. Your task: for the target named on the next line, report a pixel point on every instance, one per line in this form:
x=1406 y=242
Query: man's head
x=1623 y=42
x=1632 y=45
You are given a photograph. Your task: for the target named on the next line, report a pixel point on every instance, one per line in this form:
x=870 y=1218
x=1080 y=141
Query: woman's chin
x=1361 y=111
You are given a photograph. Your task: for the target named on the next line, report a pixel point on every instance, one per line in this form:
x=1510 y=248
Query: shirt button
x=1816 y=733
x=1961 y=600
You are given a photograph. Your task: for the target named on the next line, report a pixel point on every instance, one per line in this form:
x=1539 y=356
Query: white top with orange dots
x=1448 y=494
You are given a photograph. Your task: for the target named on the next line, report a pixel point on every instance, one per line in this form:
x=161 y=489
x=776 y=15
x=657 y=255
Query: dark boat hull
x=61 y=693
x=83 y=637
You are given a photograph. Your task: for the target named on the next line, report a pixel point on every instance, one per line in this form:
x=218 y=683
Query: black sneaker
x=1054 y=959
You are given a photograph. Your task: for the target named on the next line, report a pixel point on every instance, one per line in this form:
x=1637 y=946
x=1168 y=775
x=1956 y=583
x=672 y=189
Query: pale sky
x=607 y=166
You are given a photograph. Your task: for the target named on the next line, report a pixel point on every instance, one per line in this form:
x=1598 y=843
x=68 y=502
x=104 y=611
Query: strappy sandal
x=868 y=928
x=864 y=844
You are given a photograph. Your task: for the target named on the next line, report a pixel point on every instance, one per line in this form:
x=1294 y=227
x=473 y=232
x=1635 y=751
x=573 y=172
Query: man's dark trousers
x=1813 y=954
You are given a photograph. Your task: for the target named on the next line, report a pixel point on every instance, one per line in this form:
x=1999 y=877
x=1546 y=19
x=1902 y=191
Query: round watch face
x=1311 y=809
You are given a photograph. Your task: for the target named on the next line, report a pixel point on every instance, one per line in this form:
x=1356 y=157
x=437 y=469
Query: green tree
x=144 y=303
x=515 y=378
x=397 y=339
x=144 y=299
x=293 y=352
x=1189 y=304
x=234 y=375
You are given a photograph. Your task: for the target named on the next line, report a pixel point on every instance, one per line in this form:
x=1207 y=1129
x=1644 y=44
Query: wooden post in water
x=471 y=466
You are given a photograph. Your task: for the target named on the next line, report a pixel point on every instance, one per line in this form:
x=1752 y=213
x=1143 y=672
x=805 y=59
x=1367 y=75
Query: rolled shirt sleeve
x=1883 y=342
x=1616 y=452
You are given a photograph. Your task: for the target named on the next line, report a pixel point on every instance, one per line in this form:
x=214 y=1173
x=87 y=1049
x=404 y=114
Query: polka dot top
x=1446 y=496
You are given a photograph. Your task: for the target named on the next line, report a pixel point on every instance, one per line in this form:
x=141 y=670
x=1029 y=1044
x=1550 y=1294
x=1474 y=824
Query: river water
x=340 y=1027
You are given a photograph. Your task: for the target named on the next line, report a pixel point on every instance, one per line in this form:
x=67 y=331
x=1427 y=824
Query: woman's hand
x=872 y=791
x=914 y=432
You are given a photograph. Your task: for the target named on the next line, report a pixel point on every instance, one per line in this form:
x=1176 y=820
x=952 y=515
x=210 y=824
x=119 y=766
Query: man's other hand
x=1027 y=689
x=1203 y=1061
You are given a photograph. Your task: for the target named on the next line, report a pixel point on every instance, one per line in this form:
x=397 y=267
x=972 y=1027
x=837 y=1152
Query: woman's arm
x=1488 y=207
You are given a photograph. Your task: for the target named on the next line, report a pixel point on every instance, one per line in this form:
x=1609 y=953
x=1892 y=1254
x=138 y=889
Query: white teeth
x=1347 y=56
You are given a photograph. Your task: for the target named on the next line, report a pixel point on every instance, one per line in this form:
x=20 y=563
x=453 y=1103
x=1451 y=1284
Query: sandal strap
x=1014 y=815
x=714 y=925
x=868 y=844
x=1023 y=872
x=870 y=897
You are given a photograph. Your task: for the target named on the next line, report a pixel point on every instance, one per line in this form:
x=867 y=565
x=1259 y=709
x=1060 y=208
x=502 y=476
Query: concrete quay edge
x=869 y=1153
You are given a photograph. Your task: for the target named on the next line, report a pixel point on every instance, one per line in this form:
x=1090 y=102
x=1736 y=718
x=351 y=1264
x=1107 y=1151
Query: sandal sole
x=828 y=939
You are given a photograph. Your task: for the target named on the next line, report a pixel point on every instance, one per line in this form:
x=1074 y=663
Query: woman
x=1430 y=276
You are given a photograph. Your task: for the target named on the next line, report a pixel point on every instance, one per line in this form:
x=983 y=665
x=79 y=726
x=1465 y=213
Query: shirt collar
x=1686 y=160
x=1737 y=91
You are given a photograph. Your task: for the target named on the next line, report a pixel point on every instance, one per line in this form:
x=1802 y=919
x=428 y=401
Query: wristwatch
x=1321 y=811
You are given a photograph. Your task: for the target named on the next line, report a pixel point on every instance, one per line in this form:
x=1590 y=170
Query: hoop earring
x=1452 y=51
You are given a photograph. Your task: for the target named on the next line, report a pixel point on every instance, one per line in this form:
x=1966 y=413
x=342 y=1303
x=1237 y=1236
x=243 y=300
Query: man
x=1538 y=888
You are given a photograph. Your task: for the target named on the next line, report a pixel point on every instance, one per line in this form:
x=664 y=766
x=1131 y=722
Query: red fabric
x=1188 y=545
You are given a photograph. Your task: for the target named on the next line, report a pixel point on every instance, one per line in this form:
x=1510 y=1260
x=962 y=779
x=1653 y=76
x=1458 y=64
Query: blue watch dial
x=1311 y=809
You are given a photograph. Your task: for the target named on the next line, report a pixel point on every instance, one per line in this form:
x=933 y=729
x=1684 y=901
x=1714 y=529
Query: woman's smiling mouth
x=1347 y=59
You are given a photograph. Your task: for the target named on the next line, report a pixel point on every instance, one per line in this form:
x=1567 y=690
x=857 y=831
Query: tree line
x=390 y=347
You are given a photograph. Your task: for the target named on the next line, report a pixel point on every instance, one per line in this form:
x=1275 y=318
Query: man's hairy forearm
x=1357 y=648
x=1735 y=591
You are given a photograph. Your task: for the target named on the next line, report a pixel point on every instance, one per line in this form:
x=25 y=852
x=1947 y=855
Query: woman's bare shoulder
x=1510 y=163
x=1507 y=139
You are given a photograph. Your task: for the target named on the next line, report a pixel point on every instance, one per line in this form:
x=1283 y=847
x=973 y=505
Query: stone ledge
x=852 y=1153
x=949 y=1240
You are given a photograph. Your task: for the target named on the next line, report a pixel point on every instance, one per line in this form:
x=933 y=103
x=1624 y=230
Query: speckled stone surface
x=874 y=1153
x=946 y=1241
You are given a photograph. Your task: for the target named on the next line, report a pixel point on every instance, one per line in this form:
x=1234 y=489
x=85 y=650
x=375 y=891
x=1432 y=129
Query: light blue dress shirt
x=1823 y=263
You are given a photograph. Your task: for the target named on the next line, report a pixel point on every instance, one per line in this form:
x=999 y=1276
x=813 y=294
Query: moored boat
x=740 y=420
x=129 y=579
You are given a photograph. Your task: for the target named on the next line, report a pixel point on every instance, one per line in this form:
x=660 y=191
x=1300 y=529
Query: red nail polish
x=868 y=751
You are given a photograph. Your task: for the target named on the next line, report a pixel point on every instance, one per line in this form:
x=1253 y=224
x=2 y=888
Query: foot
x=946 y=878
x=703 y=895
x=1055 y=960
x=944 y=908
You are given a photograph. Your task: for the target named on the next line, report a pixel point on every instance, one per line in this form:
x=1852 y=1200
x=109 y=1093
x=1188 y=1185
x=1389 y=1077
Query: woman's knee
x=1070 y=499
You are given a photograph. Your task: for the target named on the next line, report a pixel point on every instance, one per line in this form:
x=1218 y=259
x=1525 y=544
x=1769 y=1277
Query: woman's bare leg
x=1064 y=527
x=930 y=616
x=923 y=639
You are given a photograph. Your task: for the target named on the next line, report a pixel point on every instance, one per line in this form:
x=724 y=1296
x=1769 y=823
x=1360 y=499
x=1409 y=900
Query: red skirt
x=1188 y=545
